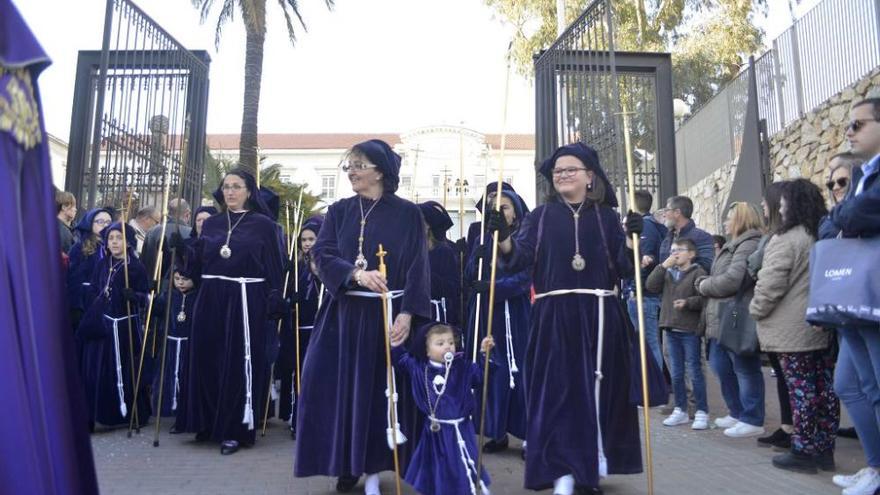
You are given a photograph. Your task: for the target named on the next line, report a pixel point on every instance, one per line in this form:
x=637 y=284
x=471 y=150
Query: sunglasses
x=857 y=124
x=841 y=182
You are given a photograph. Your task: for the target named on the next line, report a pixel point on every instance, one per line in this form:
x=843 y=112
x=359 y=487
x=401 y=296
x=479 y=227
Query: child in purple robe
x=443 y=384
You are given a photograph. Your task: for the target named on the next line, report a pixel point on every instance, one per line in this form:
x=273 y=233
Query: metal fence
x=139 y=114
x=832 y=46
x=582 y=84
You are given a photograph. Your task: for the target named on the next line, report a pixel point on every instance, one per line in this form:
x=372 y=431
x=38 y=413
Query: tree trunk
x=253 y=74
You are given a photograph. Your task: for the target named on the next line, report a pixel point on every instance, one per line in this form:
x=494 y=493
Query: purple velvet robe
x=217 y=379
x=45 y=447
x=342 y=407
x=176 y=351
x=560 y=358
x=98 y=345
x=437 y=465
x=445 y=282
x=285 y=366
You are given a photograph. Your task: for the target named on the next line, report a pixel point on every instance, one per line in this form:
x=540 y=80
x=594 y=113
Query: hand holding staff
x=390 y=369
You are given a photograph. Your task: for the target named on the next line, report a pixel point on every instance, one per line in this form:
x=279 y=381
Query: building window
x=328 y=187
x=406 y=184
x=436 y=186
x=479 y=183
x=509 y=180
x=286 y=178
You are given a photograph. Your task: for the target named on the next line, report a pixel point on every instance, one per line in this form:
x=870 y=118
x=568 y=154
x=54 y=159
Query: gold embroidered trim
x=19 y=114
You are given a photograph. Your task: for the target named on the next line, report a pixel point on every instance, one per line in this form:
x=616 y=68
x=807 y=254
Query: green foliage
x=709 y=39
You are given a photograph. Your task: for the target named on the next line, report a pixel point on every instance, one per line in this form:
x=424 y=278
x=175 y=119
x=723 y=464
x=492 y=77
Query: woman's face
x=728 y=224
x=235 y=192
x=101 y=221
x=783 y=208
x=306 y=240
x=69 y=211
x=200 y=219
x=571 y=177
x=839 y=181
x=115 y=244
x=362 y=174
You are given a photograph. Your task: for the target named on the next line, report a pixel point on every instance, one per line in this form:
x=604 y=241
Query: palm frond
x=227 y=14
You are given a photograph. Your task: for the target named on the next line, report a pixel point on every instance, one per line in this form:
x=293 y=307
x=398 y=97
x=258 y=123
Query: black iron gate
x=582 y=86
x=139 y=115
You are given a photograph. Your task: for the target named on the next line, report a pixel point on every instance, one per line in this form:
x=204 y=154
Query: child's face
x=683 y=257
x=439 y=344
x=115 y=244
x=182 y=283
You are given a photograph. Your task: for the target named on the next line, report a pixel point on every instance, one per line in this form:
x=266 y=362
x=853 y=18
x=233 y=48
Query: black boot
x=228 y=447
x=847 y=433
x=825 y=460
x=778 y=438
x=588 y=490
x=793 y=461
x=345 y=484
x=493 y=446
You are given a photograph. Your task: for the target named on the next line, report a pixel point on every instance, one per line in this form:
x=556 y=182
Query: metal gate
x=582 y=84
x=139 y=114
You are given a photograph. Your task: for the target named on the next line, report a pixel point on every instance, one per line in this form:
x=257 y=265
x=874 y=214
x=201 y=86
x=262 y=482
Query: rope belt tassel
x=178 y=342
x=123 y=409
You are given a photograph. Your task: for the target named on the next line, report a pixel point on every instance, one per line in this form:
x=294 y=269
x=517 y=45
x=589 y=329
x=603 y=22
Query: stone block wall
x=802 y=149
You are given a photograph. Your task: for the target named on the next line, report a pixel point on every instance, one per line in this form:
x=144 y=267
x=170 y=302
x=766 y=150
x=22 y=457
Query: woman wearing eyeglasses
x=581 y=424
x=84 y=256
x=237 y=262
x=343 y=421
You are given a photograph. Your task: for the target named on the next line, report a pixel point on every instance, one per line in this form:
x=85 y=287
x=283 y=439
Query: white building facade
x=447 y=164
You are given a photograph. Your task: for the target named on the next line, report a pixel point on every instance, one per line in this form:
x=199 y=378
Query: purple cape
x=342 y=408
x=560 y=361
x=218 y=377
x=46 y=447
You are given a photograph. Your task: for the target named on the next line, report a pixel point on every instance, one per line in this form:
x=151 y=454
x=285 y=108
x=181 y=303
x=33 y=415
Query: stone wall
x=801 y=150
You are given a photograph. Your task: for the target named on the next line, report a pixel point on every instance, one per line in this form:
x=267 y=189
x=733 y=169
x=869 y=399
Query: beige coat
x=779 y=305
x=726 y=278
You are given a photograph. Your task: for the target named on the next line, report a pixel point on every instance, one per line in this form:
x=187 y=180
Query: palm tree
x=253 y=12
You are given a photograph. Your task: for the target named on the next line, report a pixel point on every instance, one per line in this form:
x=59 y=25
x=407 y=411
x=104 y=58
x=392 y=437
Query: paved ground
x=685 y=462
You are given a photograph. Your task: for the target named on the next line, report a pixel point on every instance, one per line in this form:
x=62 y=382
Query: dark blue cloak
x=98 y=344
x=342 y=409
x=176 y=350
x=437 y=465
x=560 y=357
x=445 y=283
x=217 y=381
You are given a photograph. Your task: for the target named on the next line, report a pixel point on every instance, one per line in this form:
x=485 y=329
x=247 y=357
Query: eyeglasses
x=566 y=172
x=841 y=182
x=103 y=222
x=357 y=166
x=679 y=250
x=857 y=124
x=232 y=187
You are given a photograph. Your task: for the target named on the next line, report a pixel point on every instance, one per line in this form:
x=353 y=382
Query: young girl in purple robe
x=443 y=385
x=109 y=334
x=84 y=255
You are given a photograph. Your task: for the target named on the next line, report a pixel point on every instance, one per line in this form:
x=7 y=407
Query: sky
x=366 y=66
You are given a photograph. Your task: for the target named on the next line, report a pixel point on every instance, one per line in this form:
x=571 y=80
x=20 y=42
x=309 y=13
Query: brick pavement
x=685 y=462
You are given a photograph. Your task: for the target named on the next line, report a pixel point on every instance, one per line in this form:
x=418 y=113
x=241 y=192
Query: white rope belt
x=248 y=416
x=508 y=337
x=602 y=294
x=470 y=467
x=178 y=342
x=391 y=400
x=440 y=309
x=119 y=386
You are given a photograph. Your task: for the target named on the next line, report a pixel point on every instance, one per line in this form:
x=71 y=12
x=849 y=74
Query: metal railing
x=829 y=48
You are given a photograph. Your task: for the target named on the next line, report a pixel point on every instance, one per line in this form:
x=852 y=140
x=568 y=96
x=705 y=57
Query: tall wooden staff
x=462 y=257
x=281 y=320
x=492 y=272
x=480 y=269
x=639 y=305
x=170 y=286
x=299 y=220
x=133 y=414
x=390 y=368
x=156 y=273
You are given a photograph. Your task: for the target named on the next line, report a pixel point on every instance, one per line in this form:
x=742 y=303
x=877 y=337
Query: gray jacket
x=779 y=305
x=726 y=278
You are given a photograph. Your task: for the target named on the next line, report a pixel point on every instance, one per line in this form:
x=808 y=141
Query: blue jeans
x=856 y=384
x=651 y=307
x=742 y=383
x=683 y=351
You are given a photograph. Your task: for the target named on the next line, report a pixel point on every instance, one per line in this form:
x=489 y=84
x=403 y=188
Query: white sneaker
x=726 y=422
x=701 y=421
x=678 y=417
x=744 y=430
x=868 y=484
x=846 y=481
